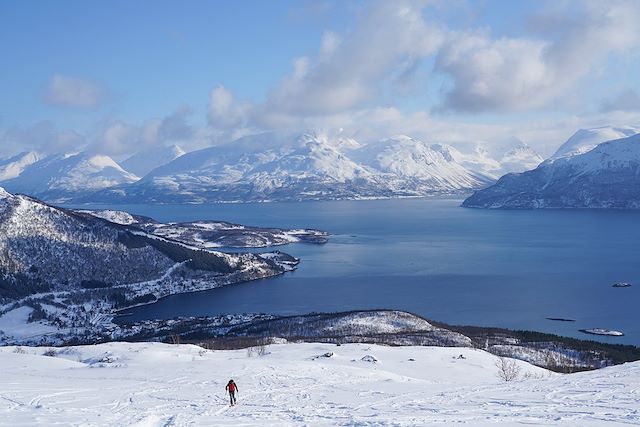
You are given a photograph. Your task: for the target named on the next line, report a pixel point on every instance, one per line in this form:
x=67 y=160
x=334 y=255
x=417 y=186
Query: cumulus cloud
x=77 y=92
x=225 y=111
x=43 y=137
x=111 y=137
x=354 y=76
x=353 y=71
x=516 y=74
x=169 y=129
x=118 y=138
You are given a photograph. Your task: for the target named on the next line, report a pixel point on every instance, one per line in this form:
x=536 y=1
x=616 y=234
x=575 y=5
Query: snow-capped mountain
x=517 y=156
x=308 y=166
x=497 y=160
x=61 y=176
x=607 y=176
x=13 y=166
x=404 y=160
x=587 y=139
x=145 y=161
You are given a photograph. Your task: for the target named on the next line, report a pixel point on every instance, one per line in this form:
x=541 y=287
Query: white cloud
x=353 y=71
x=172 y=128
x=519 y=74
x=225 y=111
x=352 y=79
x=77 y=92
x=42 y=137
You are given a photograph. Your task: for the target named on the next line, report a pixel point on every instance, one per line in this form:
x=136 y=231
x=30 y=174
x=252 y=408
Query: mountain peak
x=587 y=139
x=62 y=175
x=4 y=194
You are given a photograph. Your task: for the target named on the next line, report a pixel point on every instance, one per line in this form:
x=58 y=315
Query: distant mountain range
x=63 y=177
x=266 y=167
x=595 y=168
x=309 y=166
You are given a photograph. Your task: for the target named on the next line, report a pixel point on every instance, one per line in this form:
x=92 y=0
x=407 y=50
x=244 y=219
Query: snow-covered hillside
x=206 y=234
x=13 y=166
x=585 y=140
x=577 y=176
x=145 y=161
x=307 y=166
x=151 y=384
x=69 y=269
x=403 y=160
x=62 y=176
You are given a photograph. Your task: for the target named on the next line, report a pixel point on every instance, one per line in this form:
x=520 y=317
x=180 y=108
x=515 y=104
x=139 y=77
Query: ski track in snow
x=167 y=385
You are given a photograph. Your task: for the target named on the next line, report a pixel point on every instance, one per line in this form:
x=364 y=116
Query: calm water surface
x=429 y=256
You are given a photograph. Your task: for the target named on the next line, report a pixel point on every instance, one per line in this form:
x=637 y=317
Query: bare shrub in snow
x=50 y=352
x=259 y=350
x=19 y=350
x=508 y=369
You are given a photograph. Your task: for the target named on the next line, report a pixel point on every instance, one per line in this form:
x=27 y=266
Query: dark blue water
x=461 y=266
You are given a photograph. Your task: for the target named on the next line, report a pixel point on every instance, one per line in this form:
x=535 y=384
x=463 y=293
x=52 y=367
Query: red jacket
x=231 y=386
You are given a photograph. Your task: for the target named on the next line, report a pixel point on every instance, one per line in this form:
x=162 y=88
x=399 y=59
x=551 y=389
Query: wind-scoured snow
x=155 y=384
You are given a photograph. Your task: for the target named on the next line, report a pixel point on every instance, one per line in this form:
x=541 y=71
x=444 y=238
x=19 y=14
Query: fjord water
x=509 y=269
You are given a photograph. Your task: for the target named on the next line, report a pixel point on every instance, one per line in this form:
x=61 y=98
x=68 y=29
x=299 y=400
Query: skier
x=232 y=388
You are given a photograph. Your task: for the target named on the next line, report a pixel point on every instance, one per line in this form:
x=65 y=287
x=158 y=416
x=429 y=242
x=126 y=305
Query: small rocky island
x=621 y=285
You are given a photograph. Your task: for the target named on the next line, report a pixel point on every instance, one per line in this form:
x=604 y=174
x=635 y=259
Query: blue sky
x=112 y=75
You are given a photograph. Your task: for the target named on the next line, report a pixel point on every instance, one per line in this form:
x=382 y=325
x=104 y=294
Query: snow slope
x=14 y=166
x=145 y=161
x=62 y=176
x=403 y=160
x=585 y=140
x=152 y=384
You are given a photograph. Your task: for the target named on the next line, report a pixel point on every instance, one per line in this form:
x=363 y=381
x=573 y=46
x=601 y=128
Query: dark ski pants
x=232 y=397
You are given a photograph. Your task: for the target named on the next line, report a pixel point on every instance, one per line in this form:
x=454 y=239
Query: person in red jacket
x=232 y=388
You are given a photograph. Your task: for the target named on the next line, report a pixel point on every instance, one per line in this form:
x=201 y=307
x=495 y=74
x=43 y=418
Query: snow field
x=152 y=384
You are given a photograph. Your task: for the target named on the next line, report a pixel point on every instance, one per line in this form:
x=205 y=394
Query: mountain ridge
x=577 y=176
